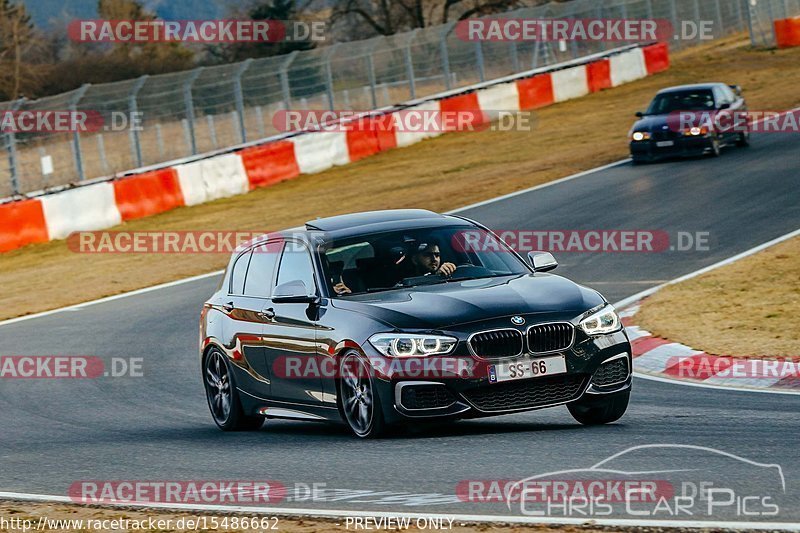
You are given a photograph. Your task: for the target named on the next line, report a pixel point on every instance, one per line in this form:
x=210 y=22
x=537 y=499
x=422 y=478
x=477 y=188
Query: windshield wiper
x=449 y=280
x=380 y=289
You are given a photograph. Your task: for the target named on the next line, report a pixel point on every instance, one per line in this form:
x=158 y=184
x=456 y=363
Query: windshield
x=408 y=258
x=695 y=100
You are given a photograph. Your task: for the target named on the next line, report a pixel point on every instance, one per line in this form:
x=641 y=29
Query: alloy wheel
x=357 y=395
x=218 y=387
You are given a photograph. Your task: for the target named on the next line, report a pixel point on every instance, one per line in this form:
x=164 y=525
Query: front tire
x=744 y=139
x=359 y=402
x=716 y=148
x=601 y=411
x=222 y=396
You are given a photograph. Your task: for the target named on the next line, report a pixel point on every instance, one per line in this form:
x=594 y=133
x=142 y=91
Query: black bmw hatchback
x=393 y=317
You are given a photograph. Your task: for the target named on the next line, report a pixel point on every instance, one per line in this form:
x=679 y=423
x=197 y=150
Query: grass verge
x=439 y=174
x=748 y=308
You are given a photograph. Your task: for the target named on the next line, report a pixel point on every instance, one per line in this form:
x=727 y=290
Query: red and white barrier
x=82 y=209
x=148 y=194
x=406 y=136
x=787 y=32
x=210 y=179
x=656 y=58
x=105 y=204
x=22 y=223
x=570 y=83
x=503 y=97
x=627 y=67
x=535 y=92
x=270 y=163
x=320 y=150
x=598 y=74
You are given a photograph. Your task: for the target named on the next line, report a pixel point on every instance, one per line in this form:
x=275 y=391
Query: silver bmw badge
x=517 y=320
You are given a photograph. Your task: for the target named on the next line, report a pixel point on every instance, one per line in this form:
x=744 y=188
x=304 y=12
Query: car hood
x=446 y=304
x=652 y=123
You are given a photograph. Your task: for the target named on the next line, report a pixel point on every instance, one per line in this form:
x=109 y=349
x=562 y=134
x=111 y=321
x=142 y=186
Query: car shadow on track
x=287 y=431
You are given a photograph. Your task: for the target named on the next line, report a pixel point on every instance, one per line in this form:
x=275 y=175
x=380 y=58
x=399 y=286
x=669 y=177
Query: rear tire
x=603 y=411
x=223 y=398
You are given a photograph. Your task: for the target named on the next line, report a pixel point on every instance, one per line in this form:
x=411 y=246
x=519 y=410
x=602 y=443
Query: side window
x=296 y=265
x=721 y=97
x=259 y=278
x=729 y=94
x=238 y=273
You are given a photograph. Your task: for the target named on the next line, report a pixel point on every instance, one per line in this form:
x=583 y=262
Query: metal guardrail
x=205 y=109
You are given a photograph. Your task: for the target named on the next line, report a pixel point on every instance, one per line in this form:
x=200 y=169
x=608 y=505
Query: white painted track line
x=458 y=519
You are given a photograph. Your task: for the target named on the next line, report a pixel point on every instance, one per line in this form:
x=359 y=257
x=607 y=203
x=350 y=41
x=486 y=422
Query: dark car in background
x=335 y=322
x=690 y=120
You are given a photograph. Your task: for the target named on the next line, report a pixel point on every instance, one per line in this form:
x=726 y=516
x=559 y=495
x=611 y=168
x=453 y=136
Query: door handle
x=267 y=314
x=227 y=307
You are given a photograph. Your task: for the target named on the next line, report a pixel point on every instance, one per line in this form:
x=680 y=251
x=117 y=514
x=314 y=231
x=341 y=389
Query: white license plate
x=664 y=144
x=527 y=368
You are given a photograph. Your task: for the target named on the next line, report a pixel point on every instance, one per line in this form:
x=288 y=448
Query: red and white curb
x=659 y=357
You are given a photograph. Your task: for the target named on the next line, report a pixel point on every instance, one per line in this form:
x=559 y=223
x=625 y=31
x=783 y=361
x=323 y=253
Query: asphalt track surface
x=157 y=427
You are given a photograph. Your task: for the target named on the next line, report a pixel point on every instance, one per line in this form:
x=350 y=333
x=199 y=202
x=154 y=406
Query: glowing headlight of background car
x=412 y=344
x=606 y=320
x=640 y=135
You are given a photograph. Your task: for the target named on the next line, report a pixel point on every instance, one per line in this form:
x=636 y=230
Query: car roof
x=691 y=87
x=362 y=221
x=353 y=224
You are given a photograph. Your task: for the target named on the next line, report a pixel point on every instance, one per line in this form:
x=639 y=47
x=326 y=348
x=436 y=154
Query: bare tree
x=20 y=44
x=387 y=17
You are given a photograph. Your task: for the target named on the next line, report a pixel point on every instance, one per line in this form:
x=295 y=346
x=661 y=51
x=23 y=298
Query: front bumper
x=682 y=147
x=596 y=366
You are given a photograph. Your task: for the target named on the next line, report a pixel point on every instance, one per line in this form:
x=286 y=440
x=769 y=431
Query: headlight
x=606 y=320
x=412 y=344
x=641 y=135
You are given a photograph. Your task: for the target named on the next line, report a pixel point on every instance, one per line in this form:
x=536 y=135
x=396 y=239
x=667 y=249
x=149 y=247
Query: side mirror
x=542 y=261
x=293 y=292
x=639 y=114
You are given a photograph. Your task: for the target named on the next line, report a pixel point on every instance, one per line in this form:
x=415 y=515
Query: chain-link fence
x=196 y=111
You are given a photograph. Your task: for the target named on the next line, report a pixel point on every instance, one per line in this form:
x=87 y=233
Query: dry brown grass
x=439 y=174
x=748 y=308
